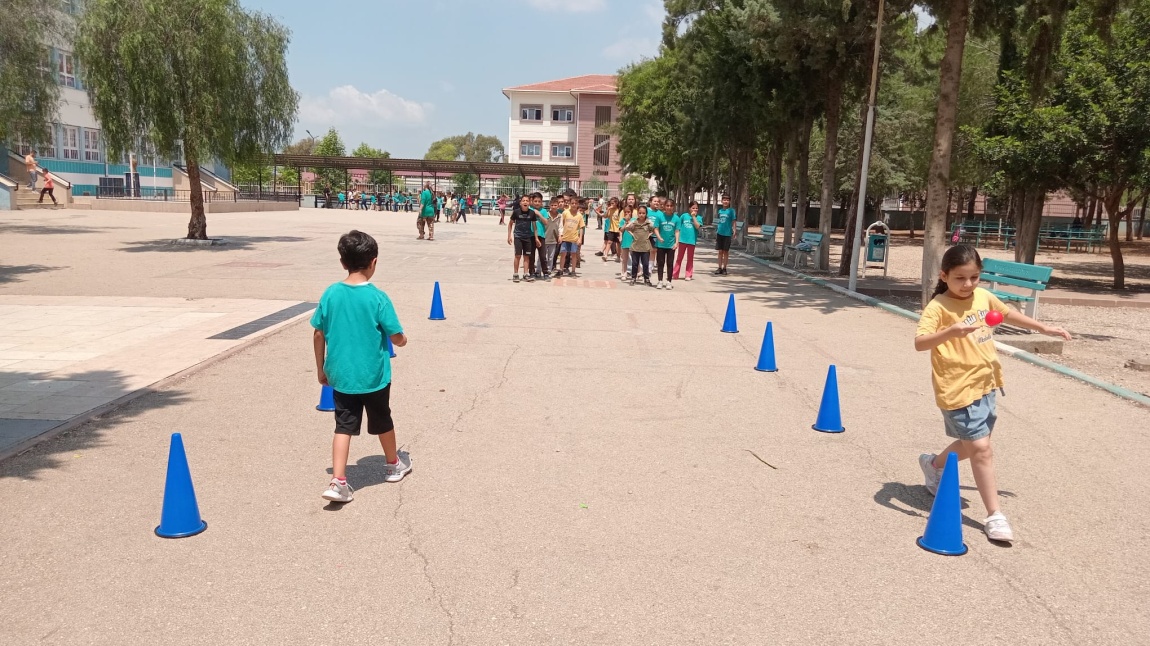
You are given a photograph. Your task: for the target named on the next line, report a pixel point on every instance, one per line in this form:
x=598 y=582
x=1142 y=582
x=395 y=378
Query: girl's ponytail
x=940 y=288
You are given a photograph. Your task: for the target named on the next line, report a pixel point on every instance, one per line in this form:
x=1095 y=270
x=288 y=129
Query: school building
x=563 y=123
x=77 y=157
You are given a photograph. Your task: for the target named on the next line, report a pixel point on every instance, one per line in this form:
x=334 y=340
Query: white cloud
x=570 y=6
x=347 y=105
x=655 y=12
x=628 y=49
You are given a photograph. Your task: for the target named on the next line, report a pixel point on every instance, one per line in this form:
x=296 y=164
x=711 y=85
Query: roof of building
x=586 y=84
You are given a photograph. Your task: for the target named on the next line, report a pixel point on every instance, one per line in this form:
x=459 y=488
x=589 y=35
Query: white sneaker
x=998 y=528
x=395 y=472
x=932 y=475
x=659 y=285
x=337 y=492
x=670 y=285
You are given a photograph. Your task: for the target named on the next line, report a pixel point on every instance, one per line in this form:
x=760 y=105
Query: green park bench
x=804 y=254
x=766 y=237
x=1015 y=274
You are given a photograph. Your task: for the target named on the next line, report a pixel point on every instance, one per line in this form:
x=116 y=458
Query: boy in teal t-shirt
x=724 y=232
x=353 y=323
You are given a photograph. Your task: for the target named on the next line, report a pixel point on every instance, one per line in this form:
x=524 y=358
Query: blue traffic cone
x=181 y=514
x=390 y=348
x=767 y=352
x=830 y=418
x=730 y=325
x=436 y=305
x=326 y=399
x=943 y=533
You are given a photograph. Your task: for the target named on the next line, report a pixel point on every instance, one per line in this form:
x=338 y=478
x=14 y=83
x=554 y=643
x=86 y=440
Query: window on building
x=564 y=150
x=563 y=113
x=70 y=143
x=531 y=149
x=530 y=113
x=48 y=148
x=602 y=115
x=602 y=150
x=65 y=69
x=92 y=145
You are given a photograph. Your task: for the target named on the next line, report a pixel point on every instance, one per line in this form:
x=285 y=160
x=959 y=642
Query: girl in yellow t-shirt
x=966 y=373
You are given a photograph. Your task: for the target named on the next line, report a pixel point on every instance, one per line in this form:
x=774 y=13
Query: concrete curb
x=104 y=409
x=1021 y=355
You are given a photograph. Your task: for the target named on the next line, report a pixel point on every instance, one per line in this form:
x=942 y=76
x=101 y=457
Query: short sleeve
x=388 y=319
x=317 y=317
x=929 y=321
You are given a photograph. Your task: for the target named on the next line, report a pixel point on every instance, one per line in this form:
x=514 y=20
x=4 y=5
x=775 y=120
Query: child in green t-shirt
x=353 y=322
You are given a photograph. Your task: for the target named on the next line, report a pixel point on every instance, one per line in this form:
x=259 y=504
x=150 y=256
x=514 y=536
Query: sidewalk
x=61 y=358
x=878 y=286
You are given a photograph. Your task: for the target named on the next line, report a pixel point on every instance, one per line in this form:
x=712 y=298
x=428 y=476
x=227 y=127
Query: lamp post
x=856 y=237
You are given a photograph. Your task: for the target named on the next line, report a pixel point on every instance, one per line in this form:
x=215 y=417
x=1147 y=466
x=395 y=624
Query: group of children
x=548 y=241
x=354 y=321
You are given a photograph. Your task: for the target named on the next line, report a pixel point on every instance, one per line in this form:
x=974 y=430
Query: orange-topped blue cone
x=943 y=533
x=181 y=514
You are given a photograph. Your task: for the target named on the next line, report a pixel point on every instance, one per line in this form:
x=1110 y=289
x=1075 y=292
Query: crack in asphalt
x=413 y=547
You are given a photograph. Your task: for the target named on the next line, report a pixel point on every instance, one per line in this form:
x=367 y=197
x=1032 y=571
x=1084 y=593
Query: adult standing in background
x=426 y=217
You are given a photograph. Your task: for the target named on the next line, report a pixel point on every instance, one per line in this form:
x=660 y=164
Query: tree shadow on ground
x=752 y=281
x=14 y=273
x=232 y=243
x=1098 y=277
x=120 y=404
x=62 y=229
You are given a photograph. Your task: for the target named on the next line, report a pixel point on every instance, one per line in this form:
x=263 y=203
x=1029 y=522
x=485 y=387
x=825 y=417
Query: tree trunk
x=938 y=179
x=1142 y=218
x=1091 y=209
x=742 y=197
x=198 y=225
x=949 y=200
x=774 y=178
x=1115 y=215
x=1130 y=222
x=1029 y=203
x=788 y=192
x=714 y=186
x=804 y=180
x=830 y=157
x=970 y=204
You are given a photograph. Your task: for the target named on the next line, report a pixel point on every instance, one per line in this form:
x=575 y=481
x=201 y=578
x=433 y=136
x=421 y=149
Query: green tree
x=595 y=187
x=512 y=185
x=331 y=145
x=634 y=184
x=469 y=147
x=551 y=185
x=379 y=179
x=202 y=73
x=465 y=183
x=29 y=93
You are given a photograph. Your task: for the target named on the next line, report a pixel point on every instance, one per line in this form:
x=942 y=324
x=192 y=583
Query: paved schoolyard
x=583 y=467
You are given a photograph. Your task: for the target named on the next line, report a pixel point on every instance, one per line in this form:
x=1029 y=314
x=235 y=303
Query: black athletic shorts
x=612 y=236
x=349 y=412
x=722 y=243
x=524 y=246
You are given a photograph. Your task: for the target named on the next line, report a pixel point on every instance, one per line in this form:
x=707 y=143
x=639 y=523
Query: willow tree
x=29 y=94
x=204 y=75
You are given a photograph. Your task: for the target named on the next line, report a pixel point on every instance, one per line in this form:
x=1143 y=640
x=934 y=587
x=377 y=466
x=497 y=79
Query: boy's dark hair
x=570 y=193
x=536 y=194
x=356 y=250
x=956 y=256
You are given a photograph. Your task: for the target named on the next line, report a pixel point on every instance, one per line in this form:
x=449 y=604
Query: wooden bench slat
x=1036 y=273
x=1014 y=282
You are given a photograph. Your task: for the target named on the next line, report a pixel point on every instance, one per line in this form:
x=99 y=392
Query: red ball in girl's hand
x=994 y=318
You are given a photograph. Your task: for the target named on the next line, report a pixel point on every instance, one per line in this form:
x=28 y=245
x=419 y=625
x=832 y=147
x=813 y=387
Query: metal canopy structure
x=426 y=167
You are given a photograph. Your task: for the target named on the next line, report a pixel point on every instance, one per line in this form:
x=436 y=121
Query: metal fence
x=184 y=195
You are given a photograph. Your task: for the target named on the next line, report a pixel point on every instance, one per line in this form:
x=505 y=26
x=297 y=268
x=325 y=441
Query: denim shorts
x=973 y=422
x=569 y=247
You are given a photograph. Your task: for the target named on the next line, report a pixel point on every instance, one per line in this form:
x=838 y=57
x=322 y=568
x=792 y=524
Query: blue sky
x=400 y=74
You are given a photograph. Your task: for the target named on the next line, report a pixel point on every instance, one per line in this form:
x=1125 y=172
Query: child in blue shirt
x=689 y=224
x=353 y=322
x=724 y=232
x=667 y=224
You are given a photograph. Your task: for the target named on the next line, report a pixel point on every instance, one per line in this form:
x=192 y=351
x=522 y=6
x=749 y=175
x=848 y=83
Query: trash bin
x=876 y=248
